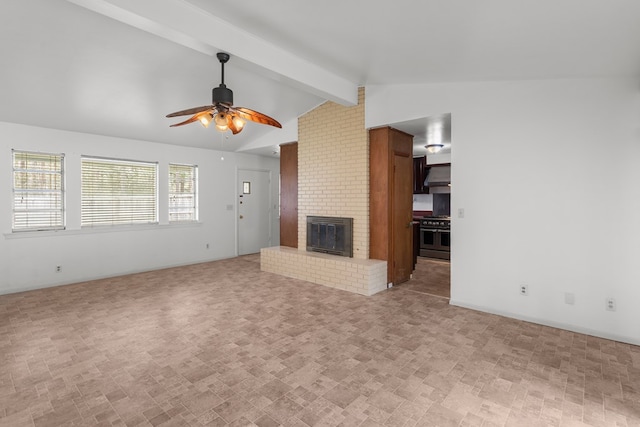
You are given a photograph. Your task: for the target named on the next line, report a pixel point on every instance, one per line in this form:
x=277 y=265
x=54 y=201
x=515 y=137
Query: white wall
x=28 y=259
x=548 y=175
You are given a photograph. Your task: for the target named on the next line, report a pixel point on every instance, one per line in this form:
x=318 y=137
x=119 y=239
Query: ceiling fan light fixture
x=434 y=148
x=235 y=123
x=238 y=122
x=205 y=119
x=221 y=122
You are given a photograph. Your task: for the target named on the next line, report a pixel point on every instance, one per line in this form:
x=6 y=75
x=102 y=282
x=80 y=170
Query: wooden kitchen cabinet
x=419 y=174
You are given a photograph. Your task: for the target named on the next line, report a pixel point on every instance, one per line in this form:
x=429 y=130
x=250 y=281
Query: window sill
x=101 y=229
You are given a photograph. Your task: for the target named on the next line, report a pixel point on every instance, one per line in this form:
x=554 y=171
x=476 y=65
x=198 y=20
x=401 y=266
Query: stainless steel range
x=435 y=237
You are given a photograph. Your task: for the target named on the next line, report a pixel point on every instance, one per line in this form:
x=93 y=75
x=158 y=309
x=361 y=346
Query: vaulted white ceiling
x=117 y=67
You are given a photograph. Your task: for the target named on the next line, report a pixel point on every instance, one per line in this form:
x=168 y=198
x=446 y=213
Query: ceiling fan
x=222 y=111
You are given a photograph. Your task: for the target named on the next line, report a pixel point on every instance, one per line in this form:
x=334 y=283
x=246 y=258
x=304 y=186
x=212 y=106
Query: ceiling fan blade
x=255 y=116
x=191 y=119
x=192 y=111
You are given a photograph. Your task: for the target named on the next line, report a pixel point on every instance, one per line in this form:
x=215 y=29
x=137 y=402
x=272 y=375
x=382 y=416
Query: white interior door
x=254 y=215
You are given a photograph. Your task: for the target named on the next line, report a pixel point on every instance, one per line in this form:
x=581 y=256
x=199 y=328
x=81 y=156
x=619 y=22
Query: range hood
x=438 y=179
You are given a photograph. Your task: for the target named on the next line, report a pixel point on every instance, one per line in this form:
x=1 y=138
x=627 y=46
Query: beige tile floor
x=222 y=343
x=431 y=276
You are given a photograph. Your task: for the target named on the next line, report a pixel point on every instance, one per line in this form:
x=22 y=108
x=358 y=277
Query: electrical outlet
x=610 y=304
x=524 y=290
x=460 y=212
x=58 y=268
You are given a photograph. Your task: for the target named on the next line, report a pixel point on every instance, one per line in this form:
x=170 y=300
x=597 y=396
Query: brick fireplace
x=333 y=181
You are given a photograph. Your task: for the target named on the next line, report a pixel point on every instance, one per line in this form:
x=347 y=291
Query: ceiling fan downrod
x=222 y=94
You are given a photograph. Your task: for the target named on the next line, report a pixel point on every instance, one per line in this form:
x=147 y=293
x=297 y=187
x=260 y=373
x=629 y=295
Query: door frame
x=237 y=204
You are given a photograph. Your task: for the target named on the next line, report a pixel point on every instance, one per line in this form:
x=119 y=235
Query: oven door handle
x=445 y=231
x=432 y=230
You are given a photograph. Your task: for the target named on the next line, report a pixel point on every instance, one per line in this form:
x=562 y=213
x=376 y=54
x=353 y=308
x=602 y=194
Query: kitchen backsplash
x=423 y=202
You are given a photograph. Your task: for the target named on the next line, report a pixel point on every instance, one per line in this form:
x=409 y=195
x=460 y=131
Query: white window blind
x=38 y=191
x=118 y=192
x=183 y=201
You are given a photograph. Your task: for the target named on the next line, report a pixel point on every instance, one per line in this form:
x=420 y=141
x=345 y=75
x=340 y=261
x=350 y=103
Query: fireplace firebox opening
x=331 y=235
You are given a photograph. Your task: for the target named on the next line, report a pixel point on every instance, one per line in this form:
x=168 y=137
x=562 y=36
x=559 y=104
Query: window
x=118 y=192
x=183 y=201
x=38 y=191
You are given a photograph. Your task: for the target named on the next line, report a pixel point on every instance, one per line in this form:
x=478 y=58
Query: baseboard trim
x=9 y=291
x=545 y=322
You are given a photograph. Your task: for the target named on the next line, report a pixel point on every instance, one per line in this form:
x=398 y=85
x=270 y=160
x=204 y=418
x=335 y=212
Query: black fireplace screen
x=330 y=235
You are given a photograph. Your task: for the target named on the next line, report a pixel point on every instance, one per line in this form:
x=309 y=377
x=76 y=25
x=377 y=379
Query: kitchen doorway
x=431 y=203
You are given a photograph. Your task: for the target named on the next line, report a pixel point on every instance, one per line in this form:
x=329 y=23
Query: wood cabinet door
x=289 y=195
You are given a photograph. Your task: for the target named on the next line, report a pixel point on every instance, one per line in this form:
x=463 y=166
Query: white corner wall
x=548 y=175
x=28 y=260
